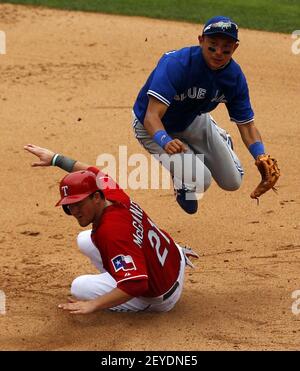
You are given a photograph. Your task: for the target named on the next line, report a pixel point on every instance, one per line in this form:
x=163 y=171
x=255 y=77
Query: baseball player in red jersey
x=142 y=268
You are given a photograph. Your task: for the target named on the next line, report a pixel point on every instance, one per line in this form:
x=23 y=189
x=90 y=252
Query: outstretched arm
x=45 y=157
x=266 y=165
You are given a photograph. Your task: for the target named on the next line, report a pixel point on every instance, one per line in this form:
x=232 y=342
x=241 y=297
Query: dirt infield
x=68 y=82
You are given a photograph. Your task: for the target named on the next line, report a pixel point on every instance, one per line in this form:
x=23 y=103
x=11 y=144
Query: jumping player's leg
x=187 y=170
x=204 y=136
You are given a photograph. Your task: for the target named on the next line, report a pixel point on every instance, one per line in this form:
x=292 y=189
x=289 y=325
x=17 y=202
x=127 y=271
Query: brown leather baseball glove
x=270 y=173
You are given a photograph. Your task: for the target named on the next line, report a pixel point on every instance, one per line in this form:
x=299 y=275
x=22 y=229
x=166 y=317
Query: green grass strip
x=270 y=15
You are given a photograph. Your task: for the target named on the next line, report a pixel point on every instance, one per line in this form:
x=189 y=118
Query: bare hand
x=175 y=146
x=79 y=307
x=45 y=155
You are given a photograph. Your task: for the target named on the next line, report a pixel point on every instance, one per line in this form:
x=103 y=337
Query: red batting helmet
x=75 y=187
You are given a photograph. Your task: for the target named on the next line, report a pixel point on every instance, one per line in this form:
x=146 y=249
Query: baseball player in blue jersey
x=171 y=114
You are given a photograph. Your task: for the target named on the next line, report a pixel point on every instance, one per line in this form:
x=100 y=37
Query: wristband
x=162 y=138
x=256 y=149
x=63 y=162
x=54 y=159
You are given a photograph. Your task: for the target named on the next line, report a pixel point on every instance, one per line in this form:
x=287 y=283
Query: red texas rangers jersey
x=133 y=248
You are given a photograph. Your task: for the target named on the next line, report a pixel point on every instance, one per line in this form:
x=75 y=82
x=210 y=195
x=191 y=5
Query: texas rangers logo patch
x=123 y=262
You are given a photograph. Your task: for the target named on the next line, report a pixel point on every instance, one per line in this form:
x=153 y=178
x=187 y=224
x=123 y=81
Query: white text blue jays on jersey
x=183 y=81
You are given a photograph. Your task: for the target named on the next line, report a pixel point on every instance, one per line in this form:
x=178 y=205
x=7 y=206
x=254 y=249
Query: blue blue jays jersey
x=183 y=81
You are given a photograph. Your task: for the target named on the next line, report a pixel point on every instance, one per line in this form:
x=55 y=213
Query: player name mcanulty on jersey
x=137 y=216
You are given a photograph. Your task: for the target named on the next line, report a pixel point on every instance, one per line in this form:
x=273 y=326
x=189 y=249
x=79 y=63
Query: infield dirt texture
x=68 y=81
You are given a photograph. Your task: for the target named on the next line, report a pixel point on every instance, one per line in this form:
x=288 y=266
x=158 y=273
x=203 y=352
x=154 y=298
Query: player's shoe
x=187 y=200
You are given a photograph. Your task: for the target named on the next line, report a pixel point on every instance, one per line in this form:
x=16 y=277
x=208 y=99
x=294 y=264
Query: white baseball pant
x=91 y=286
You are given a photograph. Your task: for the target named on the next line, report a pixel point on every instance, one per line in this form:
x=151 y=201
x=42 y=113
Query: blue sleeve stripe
x=243 y=121
x=159 y=97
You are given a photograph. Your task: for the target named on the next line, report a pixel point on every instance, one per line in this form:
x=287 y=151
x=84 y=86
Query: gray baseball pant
x=209 y=155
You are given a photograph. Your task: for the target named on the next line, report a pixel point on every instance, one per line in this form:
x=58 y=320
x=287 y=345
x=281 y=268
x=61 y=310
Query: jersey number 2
x=155 y=242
